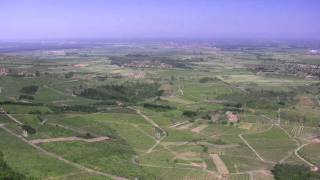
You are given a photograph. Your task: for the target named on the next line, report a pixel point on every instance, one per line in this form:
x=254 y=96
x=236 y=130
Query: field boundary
x=60 y=158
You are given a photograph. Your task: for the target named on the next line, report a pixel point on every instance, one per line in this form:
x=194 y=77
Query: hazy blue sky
x=158 y=18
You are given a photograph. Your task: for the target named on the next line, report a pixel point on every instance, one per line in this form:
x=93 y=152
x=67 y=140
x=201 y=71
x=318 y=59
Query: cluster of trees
x=258 y=99
x=26 y=97
x=189 y=114
x=31 y=90
x=75 y=108
x=69 y=75
x=7 y=172
x=293 y=172
x=130 y=92
x=209 y=79
x=157 y=107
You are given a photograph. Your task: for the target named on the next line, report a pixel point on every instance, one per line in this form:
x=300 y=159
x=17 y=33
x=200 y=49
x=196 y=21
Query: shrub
x=189 y=113
x=29 y=129
x=209 y=79
x=157 y=107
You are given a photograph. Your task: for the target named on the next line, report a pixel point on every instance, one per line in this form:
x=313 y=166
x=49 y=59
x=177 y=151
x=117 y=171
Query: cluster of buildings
x=135 y=75
x=305 y=69
x=231 y=117
x=147 y=64
x=298 y=69
x=4 y=71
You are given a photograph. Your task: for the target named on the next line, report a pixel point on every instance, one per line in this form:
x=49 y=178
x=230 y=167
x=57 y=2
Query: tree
x=31 y=90
x=37 y=73
x=293 y=172
x=69 y=75
x=159 y=93
x=205 y=149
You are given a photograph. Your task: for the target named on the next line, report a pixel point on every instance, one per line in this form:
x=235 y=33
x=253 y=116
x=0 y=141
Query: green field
x=166 y=110
x=272 y=145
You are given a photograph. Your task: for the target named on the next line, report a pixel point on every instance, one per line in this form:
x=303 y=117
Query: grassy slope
x=272 y=145
x=29 y=161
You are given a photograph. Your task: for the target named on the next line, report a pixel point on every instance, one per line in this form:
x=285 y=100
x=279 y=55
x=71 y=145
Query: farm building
x=232 y=117
x=315 y=168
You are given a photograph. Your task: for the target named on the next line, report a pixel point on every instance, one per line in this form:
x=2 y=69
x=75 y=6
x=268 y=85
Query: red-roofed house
x=232 y=117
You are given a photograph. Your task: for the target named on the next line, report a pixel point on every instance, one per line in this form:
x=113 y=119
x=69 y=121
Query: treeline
x=20 y=103
x=74 y=108
x=209 y=79
x=130 y=92
x=122 y=60
x=157 y=107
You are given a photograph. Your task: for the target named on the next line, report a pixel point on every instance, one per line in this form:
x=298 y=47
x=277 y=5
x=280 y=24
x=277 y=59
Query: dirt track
x=199 y=128
x=72 y=138
x=60 y=158
x=221 y=167
x=14 y=119
x=149 y=120
x=184 y=126
x=296 y=152
x=253 y=150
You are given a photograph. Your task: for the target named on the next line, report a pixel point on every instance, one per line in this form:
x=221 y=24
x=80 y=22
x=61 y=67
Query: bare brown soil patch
x=221 y=167
x=188 y=155
x=199 y=128
x=168 y=89
x=306 y=101
x=184 y=127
